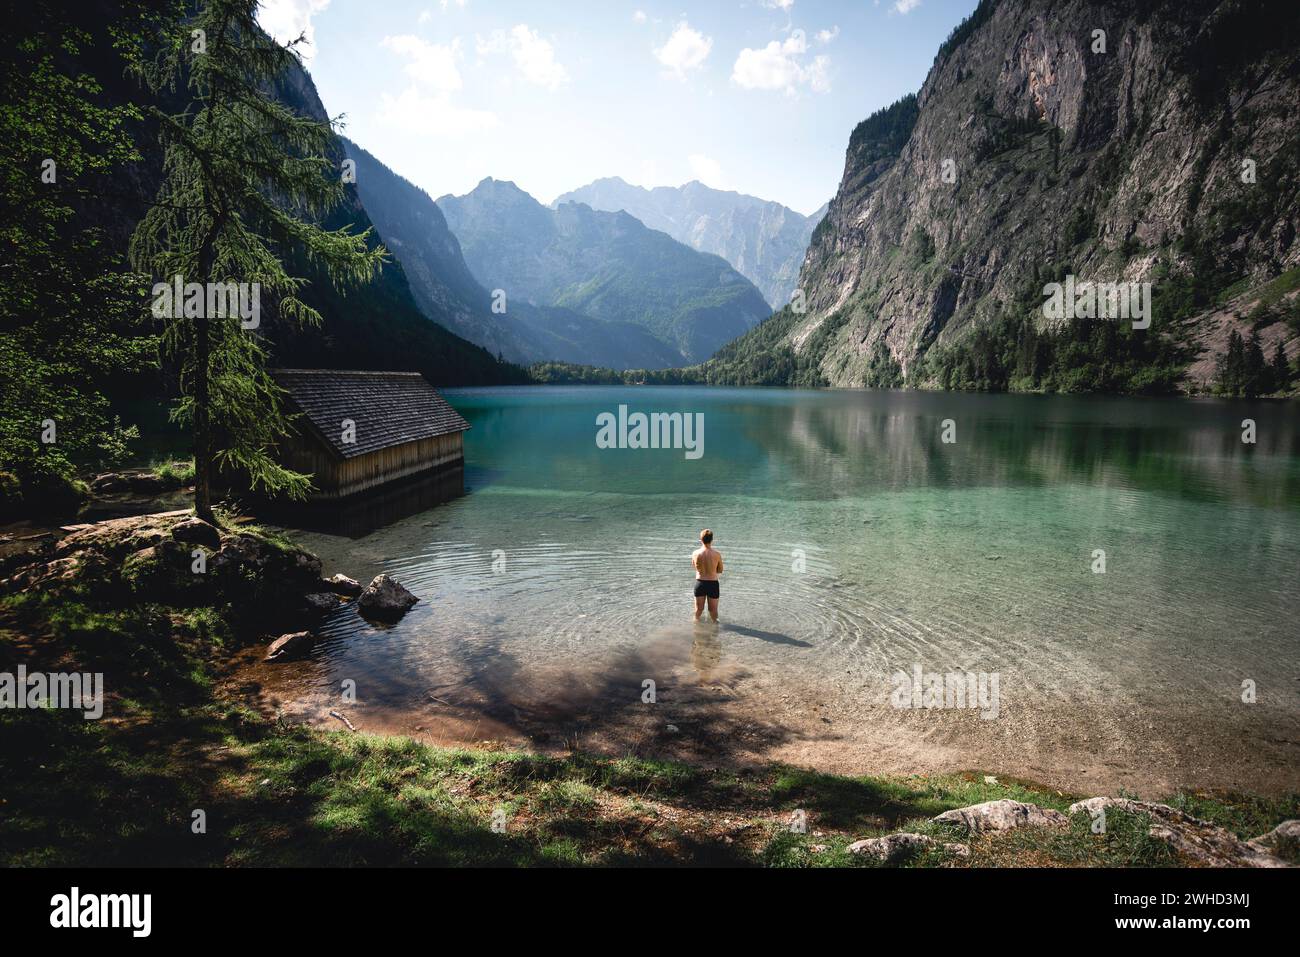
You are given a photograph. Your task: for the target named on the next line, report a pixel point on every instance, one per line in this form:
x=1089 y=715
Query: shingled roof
x=389 y=408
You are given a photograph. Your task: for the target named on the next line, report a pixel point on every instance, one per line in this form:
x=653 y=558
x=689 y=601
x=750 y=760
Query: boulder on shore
x=288 y=647
x=893 y=848
x=1002 y=815
x=1286 y=836
x=1193 y=838
x=195 y=531
x=384 y=599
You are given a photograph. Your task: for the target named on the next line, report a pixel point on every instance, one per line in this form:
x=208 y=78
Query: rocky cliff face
x=1110 y=141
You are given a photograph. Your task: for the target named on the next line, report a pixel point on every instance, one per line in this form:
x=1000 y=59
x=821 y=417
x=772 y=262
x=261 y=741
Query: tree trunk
x=202 y=394
x=202 y=427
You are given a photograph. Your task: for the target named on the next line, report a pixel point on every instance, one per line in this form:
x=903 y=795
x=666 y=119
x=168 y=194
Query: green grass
x=175 y=474
x=87 y=793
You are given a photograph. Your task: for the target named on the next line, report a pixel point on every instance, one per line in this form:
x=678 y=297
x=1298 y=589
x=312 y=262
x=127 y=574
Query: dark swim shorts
x=706 y=589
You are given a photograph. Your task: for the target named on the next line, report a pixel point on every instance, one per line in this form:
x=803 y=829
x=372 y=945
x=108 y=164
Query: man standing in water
x=708 y=566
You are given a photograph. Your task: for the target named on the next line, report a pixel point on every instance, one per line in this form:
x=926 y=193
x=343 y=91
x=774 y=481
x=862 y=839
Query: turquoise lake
x=858 y=544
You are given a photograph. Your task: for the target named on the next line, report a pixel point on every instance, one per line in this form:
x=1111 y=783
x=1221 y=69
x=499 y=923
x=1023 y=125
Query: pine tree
x=1281 y=370
x=1256 y=371
x=1231 y=366
x=246 y=180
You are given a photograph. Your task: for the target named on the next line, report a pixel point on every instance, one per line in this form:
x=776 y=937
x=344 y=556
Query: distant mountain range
x=602 y=265
x=763 y=240
x=414 y=229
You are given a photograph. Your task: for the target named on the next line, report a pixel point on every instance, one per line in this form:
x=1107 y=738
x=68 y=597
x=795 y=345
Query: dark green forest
x=81 y=163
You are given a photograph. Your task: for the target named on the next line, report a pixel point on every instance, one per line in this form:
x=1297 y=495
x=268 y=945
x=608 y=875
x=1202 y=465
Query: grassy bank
x=124 y=789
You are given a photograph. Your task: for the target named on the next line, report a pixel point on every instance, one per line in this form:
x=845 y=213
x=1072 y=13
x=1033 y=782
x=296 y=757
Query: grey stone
x=1197 y=840
x=1286 y=834
x=384 y=599
x=893 y=848
x=1002 y=815
x=288 y=647
x=341 y=584
x=195 y=531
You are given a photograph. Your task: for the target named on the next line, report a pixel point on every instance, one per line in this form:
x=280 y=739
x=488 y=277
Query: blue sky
x=758 y=96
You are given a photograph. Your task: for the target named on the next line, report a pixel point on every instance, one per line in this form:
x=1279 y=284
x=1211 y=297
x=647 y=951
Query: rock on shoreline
x=384 y=599
x=1190 y=837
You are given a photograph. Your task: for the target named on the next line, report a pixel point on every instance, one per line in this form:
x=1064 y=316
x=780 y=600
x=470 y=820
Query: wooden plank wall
x=336 y=479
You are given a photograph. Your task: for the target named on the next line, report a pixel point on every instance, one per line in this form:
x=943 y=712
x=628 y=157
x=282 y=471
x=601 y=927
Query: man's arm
x=719 y=563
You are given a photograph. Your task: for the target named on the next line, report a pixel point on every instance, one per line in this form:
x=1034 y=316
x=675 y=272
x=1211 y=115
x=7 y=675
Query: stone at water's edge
x=1199 y=840
x=1002 y=816
x=321 y=603
x=384 y=599
x=288 y=647
x=341 y=584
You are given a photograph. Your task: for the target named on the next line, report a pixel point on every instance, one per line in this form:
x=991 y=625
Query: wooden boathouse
x=357 y=431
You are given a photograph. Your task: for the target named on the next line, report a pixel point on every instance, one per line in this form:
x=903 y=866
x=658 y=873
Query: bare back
x=708 y=563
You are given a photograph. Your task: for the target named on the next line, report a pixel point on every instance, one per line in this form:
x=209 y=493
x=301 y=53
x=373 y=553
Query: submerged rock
x=288 y=647
x=1002 y=815
x=1193 y=838
x=893 y=848
x=341 y=584
x=384 y=599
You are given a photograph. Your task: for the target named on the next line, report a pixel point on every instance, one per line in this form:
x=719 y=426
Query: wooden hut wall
x=335 y=478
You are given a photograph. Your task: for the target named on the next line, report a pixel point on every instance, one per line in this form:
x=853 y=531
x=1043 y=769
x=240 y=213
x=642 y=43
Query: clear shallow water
x=857 y=544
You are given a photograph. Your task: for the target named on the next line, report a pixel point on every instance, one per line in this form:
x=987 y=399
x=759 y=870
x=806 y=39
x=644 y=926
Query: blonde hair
x=706 y=537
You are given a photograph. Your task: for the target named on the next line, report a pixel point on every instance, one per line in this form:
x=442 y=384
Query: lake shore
x=731 y=718
x=173 y=740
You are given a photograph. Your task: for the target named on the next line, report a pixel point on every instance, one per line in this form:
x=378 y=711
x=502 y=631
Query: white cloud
x=706 y=169
x=432 y=65
x=780 y=66
x=286 y=20
x=534 y=56
x=826 y=36
x=426 y=106
x=686 y=50
x=639 y=17
x=433 y=115
x=778 y=4
x=906 y=6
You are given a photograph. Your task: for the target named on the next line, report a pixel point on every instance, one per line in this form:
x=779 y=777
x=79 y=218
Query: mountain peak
x=763 y=240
